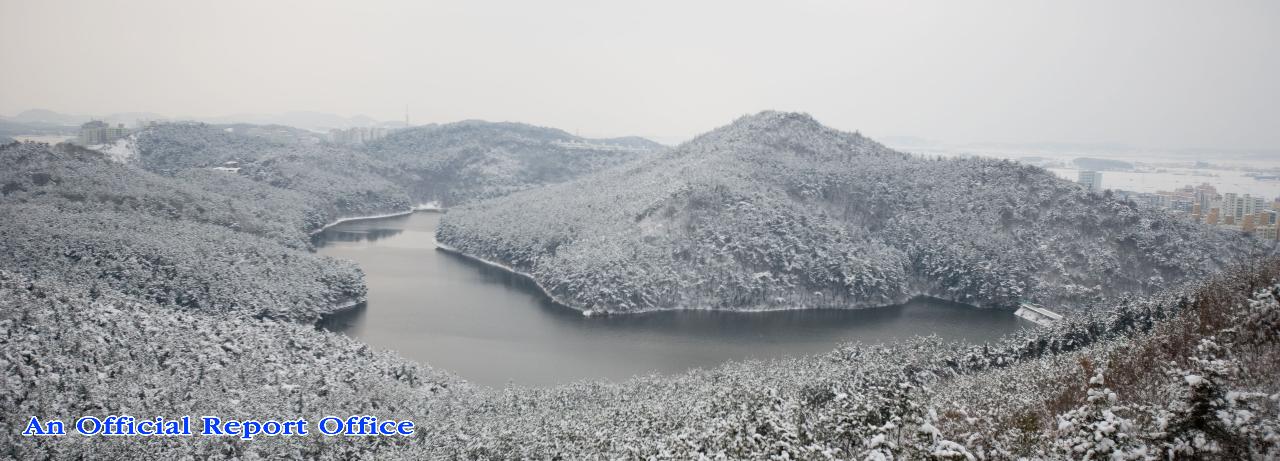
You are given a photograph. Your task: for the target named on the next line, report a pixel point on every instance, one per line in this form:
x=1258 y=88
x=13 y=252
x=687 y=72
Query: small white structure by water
x=428 y=206
x=1036 y=314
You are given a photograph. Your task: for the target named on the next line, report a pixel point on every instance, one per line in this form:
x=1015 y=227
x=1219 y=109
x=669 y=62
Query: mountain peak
x=772 y=119
x=775 y=128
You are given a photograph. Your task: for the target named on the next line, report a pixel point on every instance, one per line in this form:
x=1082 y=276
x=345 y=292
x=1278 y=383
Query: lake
x=493 y=328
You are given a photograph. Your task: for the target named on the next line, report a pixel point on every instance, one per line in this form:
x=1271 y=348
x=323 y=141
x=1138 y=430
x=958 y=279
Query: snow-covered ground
x=1156 y=171
x=124 y=150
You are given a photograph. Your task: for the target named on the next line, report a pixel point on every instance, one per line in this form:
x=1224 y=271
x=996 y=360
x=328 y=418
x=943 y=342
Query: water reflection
x=493 y=327
x=344 y=320
x=343 y=235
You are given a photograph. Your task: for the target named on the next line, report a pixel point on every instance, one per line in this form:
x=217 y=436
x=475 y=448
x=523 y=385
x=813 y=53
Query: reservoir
x=493 y=328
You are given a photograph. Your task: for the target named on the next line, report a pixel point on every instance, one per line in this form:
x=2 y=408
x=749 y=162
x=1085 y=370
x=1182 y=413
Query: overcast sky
x=1156 y=74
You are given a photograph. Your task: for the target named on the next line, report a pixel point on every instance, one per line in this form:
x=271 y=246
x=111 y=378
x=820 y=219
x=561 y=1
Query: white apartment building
x=1238 y=206
x=1091 y=180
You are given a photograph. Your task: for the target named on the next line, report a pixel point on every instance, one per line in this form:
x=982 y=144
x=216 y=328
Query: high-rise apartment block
x=357 y=136
x=99 y=132
x=1091 y=180
x=1239 y=206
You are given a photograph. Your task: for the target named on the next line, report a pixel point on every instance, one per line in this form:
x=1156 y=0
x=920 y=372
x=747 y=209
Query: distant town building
x=1261 y=218
x=99 y=132
x=357 y=136
x=1091 y=180
x=1268 y=232
x=1205 y=193
x=1254 y=216
x=1239 y=206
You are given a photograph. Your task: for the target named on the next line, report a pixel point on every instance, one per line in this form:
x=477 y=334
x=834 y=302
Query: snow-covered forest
x=776 y=211
x=150 y=283
x=460 y=162
x=198 y=216
x=331 y=181
x=71 y=215
x=1187 y=374
x=447 y=164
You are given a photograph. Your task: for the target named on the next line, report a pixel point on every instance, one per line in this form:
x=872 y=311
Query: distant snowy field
x=1170 y=178
x=45 y=138
x=1155 y=172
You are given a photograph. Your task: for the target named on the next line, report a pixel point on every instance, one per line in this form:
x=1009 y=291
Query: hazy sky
x=1158 y=74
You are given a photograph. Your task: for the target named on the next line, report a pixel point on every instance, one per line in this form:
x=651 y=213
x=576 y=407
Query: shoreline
x=342 y=309
x=346 y=306
x=589 y=313
x=432 y=207
x=555 y=299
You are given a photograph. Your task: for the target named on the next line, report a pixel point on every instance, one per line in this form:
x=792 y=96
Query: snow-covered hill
x=461 y=162
x=776 y=211
x=201 y=240
x=333 y=182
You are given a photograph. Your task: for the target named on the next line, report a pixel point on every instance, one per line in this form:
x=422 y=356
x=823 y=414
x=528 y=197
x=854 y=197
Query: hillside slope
x=464 y=161
x=202 y=240
x=777 y=211
x=71 y=178
x=333 y=182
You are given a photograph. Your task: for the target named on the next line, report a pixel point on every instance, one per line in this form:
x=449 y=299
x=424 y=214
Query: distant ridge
x=461 y=162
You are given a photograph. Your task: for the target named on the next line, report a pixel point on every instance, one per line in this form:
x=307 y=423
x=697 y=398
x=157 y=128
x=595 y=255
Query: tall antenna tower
x=406 y=115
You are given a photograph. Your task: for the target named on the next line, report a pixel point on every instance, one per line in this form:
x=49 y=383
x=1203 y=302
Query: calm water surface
x=492 y=328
